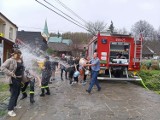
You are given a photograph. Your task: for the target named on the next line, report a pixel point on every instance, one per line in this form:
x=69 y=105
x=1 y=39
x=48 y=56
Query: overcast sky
x=29 y=15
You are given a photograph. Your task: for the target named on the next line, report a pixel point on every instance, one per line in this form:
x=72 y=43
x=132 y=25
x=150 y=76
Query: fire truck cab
x=120 y=55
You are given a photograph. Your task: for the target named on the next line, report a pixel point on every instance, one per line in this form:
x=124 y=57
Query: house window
x=11 y=33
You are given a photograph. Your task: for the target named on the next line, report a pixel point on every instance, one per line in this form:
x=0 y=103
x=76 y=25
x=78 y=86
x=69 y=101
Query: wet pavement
x=116 y=101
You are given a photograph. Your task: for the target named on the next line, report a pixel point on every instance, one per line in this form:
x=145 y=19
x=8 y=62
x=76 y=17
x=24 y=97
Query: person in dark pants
x=95 y=67
x=53 y=69
x=13 y=68
x=77 y=69
x=46 y=74
x=86 y=71
x=23 y=89
x=62 y=66
x=29 y=79
x=71 y=69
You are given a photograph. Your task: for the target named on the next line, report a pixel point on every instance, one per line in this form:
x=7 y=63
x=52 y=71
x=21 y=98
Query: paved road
x=116 y=101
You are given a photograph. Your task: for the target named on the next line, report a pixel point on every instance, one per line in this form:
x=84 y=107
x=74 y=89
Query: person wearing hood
x=46 y=74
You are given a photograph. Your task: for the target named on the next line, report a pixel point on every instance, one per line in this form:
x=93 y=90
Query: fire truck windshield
x=119 y=50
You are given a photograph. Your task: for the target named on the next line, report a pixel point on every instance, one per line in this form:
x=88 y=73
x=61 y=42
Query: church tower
x=45 y=32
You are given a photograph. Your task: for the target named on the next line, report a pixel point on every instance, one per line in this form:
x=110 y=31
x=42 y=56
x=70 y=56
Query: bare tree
x=93 y=28
x=158 y=33
x=122 y=31
x=145 y=28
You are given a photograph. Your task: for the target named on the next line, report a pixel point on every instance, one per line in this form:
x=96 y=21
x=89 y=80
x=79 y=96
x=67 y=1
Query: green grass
x=2 y=112
x=3 y=87
x=4 y=91
x=151 y=78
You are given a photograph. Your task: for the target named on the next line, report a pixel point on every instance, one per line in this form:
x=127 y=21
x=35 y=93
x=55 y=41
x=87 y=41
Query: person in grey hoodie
x=13 y=69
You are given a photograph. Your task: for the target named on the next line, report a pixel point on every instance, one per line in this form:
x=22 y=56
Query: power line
x=63 y=13
x=65 y=6
x=60 y=15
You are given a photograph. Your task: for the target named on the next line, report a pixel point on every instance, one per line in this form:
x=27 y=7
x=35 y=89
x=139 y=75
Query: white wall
x=7 y=27
x=6 y=32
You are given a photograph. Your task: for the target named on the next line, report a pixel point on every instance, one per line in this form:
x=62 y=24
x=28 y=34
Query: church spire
x=45 y=32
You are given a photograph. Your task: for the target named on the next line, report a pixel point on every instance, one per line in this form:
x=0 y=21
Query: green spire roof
x=45 y=30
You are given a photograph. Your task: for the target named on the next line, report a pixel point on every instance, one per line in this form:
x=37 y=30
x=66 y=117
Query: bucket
x=76 y=74
x=86 y=72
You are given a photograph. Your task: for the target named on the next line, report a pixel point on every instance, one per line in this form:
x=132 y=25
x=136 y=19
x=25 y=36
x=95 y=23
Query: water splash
x=30 y=58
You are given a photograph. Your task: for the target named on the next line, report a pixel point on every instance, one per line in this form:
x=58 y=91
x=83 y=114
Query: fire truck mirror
x=104 y=41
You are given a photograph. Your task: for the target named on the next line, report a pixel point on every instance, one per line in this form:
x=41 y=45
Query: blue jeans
x=94 y=80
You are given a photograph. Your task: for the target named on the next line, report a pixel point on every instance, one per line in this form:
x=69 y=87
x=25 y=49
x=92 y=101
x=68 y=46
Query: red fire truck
x=120 y=56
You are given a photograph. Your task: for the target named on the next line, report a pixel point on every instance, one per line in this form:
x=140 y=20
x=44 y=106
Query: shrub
x=151 y=78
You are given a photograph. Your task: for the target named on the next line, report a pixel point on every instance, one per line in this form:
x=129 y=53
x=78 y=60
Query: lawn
x=151 y=78
x=4 y=93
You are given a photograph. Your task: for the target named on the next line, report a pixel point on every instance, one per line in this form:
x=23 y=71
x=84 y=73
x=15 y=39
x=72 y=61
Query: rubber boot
x=24 y=95
x=42 y=94
x=48 y=91
x=70 y=81
x=32 y=98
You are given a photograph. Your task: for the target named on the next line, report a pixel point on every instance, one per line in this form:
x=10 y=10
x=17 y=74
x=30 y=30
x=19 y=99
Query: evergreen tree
x=111 y=27
x=59 y=35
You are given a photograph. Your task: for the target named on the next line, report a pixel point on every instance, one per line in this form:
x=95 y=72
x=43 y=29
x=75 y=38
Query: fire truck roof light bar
x=114 y=34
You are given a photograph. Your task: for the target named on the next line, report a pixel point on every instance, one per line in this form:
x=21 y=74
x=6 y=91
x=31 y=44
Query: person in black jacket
x=62 y=63
x=46 y=74
x=53 y=69
x=71 y=69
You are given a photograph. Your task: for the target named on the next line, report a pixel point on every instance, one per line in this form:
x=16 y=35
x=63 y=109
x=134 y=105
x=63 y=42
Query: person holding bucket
x=95 y=67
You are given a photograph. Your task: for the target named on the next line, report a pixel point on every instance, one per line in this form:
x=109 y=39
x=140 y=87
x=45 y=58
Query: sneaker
x=99 y=89
x=74 y=82
x=88 y=91
x=48 y=93
x=84 y=83
x=81 y=81
x=71 y=83
x=18 y=107
x=11 y=113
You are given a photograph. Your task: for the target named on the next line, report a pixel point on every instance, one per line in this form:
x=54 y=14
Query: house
x=55 y=40
x=60 y=45
x=80 y=50
x=60 y=48
x=32 y=39
x=147 y=52
x=8 y=32
x=151 y=48
x=67 y=41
